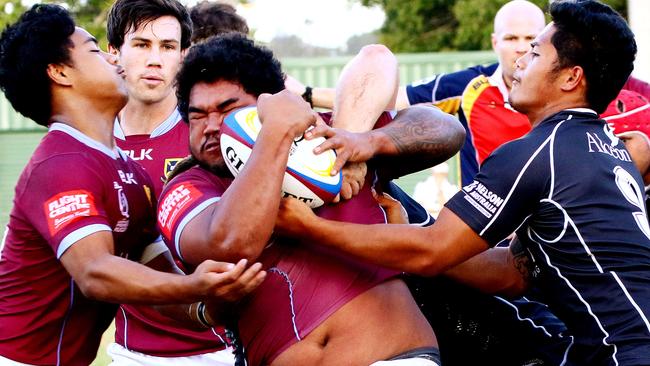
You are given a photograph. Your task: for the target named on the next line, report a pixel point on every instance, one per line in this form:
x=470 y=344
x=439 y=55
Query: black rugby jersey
x=570 y=191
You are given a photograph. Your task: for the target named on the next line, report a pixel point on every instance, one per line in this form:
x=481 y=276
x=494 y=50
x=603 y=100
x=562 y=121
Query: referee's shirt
x=575 y=199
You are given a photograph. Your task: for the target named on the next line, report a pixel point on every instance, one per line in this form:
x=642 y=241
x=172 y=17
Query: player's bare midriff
x=376 y=325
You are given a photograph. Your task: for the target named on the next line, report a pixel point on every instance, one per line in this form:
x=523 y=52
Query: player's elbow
x=240 y=245
x=93 y=284
x=456 y=133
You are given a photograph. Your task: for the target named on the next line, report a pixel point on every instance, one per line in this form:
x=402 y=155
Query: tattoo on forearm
x=416 y=132
x=521 y=260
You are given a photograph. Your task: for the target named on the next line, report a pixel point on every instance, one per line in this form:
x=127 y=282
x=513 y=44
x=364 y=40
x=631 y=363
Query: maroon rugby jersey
x=72 y=187
x=158 y=152
x=141 y=328
x=305 y=283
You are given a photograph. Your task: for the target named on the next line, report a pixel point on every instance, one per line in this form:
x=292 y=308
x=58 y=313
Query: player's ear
x=113 y=51
x=58 y=74
x=573 y=77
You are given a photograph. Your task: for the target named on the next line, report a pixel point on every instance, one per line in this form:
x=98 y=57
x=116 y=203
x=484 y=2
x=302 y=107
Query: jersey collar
x=115 y=153
x=166 y=125
x=496 y=79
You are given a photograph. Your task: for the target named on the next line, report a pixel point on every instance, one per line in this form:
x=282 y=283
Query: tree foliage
x=438 y=25
x=89 y=14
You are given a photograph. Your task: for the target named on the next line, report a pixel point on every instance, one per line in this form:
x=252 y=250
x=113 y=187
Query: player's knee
x=376 y=51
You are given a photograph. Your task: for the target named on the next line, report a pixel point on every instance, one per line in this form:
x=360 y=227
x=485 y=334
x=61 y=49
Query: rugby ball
x=307 y=177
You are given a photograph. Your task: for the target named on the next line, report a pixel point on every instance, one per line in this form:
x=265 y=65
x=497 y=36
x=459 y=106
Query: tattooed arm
x=418 y=137
x=499 y=270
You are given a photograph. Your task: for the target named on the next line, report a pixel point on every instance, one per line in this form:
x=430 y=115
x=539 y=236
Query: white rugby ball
x=307 y=177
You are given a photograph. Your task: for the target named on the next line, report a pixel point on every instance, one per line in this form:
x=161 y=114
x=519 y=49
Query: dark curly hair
x=213 y=19
x=40 y=37
x=127 y=15
x=231 y=57
x=594 y=36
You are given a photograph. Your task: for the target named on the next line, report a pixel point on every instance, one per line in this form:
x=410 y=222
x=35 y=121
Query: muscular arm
x=419 y=137
x=241 y=223
x=426 y=251
x=496 y=271
x=366 y=87
x=103 y=276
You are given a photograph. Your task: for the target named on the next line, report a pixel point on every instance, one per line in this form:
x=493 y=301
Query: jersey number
x=634 y=195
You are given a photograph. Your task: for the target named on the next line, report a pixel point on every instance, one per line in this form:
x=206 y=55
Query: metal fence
x=317 y=72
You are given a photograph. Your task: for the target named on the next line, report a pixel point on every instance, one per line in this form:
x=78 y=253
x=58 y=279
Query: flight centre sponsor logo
x=66 y=207
x=174 y=204
x=170 y=164
x=483 y=199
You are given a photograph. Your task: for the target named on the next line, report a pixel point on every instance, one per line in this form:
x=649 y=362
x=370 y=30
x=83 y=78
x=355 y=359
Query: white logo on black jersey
x=595 y=144
x=483 y=199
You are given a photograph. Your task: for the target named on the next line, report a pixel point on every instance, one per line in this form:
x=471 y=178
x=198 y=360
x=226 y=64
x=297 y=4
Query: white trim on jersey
x=582 y=300
x=153 y=250
x=79 y=136
x=4 y=239
x=529 y=320
x=65 y=322
x=167 y=124
x=564 y=227
x=79 y=234
x=164 y=127
x=552 y=159
x=190 y=215
x=126 y=333
x=629 y=297
x=514 y=185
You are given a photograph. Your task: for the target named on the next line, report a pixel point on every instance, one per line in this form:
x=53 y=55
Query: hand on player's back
x=286 y=111
x=226 y=281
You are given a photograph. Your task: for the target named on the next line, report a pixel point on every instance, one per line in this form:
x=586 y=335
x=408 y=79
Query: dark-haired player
x=316 y=306
x=150 y=38
x=568 y=189
x=215 y=18
x=83 y=210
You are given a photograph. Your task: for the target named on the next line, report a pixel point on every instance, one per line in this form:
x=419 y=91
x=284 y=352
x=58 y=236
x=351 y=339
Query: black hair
x=594 y=36
x=231 y=57
x=40 y=37
x=213 y=19
x=128 y=15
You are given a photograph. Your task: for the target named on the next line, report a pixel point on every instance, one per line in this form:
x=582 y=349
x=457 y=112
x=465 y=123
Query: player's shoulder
x=197 y=176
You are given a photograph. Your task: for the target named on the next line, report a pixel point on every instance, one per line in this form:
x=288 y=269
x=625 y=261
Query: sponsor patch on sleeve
x=173 y=204
x=483 y=199
x=67 y=207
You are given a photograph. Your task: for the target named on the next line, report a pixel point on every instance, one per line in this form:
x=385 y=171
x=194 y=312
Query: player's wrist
x=198 y=313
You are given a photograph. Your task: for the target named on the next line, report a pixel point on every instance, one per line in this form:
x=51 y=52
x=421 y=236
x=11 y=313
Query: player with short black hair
x=577 y=44
x=27 y=49
x=568 y=189
x=151 y=38
x=315 y=296
x=83 y=212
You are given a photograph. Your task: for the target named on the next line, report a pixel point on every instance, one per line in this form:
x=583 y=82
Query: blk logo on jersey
x=143 y=154
x=65 y=208
x=126 y=178
x=174 y=203
x=483 y=199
